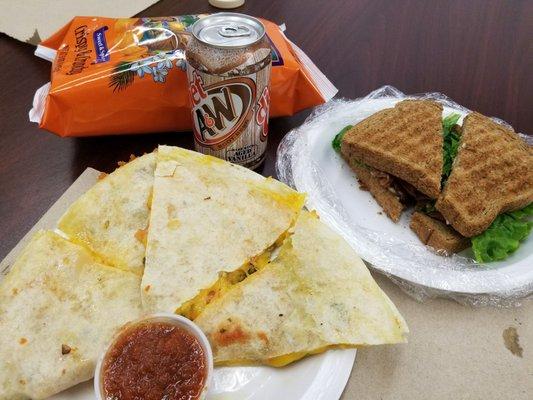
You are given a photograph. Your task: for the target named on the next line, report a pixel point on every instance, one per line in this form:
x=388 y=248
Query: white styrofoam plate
x=319 y=377
x=307 y=161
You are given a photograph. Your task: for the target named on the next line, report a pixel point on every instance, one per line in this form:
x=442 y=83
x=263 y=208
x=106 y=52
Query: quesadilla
x=317 y=294
x=212 y=223
x=111 y=218
x=58 y=308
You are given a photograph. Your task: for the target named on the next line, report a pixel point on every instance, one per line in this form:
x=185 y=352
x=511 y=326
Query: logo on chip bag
x=221 y=111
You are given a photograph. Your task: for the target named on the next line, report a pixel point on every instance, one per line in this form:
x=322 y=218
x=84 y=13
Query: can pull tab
x=230 y=31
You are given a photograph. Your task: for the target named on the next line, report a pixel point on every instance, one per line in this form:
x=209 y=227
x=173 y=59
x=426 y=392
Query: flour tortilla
x=111 y=218
x=208 y=217
x=315 y=295
x=56 y=294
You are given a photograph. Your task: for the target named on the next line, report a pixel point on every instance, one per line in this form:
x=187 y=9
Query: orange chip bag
x=118 y=76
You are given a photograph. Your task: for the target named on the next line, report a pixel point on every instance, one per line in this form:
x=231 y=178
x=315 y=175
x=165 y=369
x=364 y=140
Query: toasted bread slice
x=436 y=234
x=386 y=198
x=492 y=174
x=404 y=141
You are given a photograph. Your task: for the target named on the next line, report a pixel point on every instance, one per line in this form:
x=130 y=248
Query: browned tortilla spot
x=141 y=235
x=150 y=198
x=263 y=337
x=65 y=349
x=210 y=296
x=23 y=341
x=230 y=335
x=122 y=163
x=171 y=210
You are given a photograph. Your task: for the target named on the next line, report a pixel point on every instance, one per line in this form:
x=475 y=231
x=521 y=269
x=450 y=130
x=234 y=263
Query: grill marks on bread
x=405 y=141
x=492 y=174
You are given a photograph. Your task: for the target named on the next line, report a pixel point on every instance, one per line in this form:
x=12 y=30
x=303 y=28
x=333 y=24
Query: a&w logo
x=261 y=117
x=221 y=111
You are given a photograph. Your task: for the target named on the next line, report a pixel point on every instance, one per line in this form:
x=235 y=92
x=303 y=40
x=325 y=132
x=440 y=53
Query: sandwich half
x=489 y=193
x=492 y=174
x=396 y=154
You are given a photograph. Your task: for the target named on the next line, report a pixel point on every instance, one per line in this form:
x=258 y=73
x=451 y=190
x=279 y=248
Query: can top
x=228 y=30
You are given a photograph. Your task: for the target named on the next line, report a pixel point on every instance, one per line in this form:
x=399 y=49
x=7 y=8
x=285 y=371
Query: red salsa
x=154 y=361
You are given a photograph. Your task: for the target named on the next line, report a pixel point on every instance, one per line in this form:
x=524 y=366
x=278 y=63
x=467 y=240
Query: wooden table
x=478 y=52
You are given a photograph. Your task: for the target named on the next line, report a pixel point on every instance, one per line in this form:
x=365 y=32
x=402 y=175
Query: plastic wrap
x=307 y=162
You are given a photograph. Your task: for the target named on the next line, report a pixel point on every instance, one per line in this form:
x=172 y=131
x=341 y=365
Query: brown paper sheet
x=32 y=21
x=454 y=351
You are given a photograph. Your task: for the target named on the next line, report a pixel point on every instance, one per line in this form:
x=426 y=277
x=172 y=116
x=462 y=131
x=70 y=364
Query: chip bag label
x=127 y=75
x=102 y=52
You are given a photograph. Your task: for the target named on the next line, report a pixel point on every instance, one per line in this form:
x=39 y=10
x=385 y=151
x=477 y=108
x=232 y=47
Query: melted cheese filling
x=194 y=307
x=286 y=359
x=281 y=361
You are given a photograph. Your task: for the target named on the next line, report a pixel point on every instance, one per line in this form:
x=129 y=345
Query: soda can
x=228 y=70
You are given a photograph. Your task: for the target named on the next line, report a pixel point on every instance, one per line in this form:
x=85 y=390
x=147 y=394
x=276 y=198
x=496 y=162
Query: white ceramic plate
x=307 y=161
x=319 y=377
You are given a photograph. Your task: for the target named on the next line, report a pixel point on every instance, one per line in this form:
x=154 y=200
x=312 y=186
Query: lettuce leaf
x=504 y=235
x=450 y=144
x=336 y=143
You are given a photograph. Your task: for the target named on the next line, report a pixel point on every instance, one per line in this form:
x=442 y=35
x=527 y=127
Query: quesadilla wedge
x=58 y=308
x=111 y=218
x=317 y=294
x=212 y=223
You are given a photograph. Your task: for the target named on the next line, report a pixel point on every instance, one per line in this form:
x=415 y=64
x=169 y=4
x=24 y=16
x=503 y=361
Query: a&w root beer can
x=228 y=69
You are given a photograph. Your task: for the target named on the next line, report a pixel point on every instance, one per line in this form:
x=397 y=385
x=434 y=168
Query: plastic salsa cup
x=147 y=329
